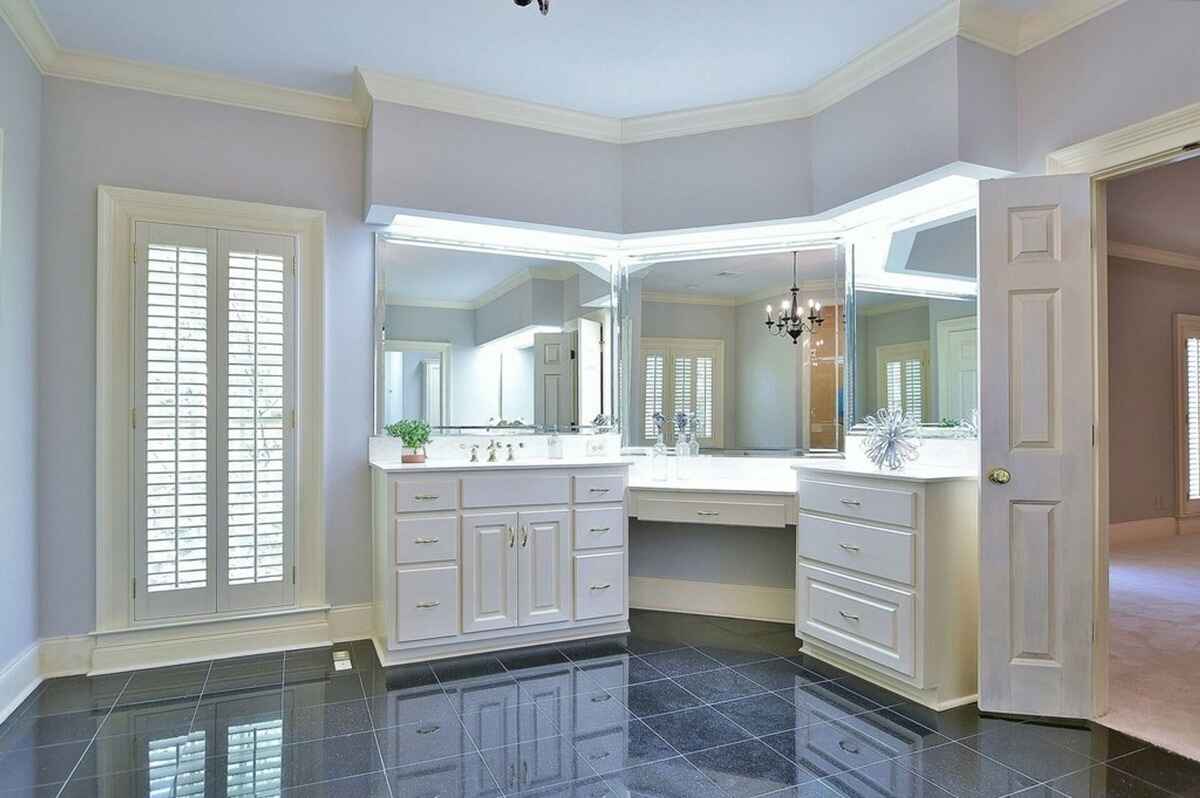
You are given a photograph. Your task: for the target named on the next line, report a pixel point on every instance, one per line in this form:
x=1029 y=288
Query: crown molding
x=970 y=19
x=513 y=281
x=1160 y=257
x=1151 y=141
x=380 y=86
x=688 y=299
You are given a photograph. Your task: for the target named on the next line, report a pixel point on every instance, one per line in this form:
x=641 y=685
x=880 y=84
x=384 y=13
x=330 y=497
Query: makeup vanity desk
x=887 y=564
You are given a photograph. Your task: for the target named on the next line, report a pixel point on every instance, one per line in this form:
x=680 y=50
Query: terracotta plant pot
x=412 y=457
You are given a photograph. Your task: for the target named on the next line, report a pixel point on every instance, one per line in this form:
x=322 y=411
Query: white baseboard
x=19 y=677
x=1145 y=529
x=713 y=598
x=351 y=622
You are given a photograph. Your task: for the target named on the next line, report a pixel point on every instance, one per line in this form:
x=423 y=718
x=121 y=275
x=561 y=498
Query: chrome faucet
x=492 y=448
x=475 y=453
x=511 y=454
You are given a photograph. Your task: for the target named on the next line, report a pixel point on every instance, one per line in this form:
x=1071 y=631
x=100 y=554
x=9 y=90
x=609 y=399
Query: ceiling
x=616 y=58
x=1158 y=208
x=751 y=275
x=426 y=274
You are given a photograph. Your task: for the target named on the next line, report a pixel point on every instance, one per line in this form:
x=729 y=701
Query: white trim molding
x=118 y=209
x=752 y=602
x=1159 y=257
x=19 y=677
x=1155 y=140
x=971 y=19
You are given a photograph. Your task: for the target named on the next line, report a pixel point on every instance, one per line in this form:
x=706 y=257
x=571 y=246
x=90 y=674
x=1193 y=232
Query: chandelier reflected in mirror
x=543 y=5
x=790 y=319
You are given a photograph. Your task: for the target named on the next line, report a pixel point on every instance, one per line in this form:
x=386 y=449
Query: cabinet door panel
x=545 y=570
x=489 y=571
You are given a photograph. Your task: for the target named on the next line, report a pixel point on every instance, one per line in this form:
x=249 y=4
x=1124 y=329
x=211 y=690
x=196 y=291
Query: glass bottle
x=683 y=449
x=693 y=440
x=659 y=462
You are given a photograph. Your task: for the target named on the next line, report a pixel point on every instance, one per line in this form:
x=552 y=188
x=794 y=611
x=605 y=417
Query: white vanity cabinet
x=887 y=578
x=495 y=556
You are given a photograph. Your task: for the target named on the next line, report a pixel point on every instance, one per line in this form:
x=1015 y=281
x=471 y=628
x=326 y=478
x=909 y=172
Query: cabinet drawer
x=886 y=553
x=426 y=603
x=715 y=509
x=424 y=495
x=426 y=539
x=599 y=585
x=599 y=528
x=875 y=622
x=590 y=488
x=511 y=490
x=882 y=505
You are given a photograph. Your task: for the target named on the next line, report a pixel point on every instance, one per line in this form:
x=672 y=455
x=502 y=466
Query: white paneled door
x=545 y=557
x=489 y=580
x=1037 y=522
x=212 y=433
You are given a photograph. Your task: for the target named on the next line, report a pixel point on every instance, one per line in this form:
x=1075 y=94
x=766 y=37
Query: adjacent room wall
x=21 y=119
x=1143 y=299
x=98 y=135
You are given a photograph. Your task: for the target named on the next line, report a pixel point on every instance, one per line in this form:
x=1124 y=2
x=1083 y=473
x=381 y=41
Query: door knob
x=1000 y=476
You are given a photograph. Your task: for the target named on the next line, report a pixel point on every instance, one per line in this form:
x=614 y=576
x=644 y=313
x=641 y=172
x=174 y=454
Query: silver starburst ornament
x=891 y=439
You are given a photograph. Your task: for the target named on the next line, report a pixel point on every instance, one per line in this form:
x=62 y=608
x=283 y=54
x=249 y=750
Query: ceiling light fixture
x=543 y=5
x=789 y=319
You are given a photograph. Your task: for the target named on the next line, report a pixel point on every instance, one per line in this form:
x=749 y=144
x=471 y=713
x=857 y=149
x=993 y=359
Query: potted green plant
x=414 y=433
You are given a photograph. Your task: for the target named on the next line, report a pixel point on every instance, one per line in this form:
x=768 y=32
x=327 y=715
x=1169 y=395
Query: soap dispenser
x=555 y=446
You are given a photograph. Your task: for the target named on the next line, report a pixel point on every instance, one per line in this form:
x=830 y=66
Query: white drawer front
x=715 y=510
x=511 y=490
x=599 y=528
x=591 y=488
x=875 y=622
x=886 y=553
x=424 y=495
x=426 y=603
x=882 y=505
x=599 y=585
x=426 y=539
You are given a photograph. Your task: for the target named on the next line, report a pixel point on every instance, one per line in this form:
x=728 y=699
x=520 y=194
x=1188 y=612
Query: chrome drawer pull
x=599 y=530
x=852 y=502
x=425 y=497
x=512 y=538
x=707 y=514
x=429 y=729
x=524 y=537
x=850 y=547
x=848 y=616
x=599 y=490
x=426 y=605
x=601 y=587
x=426 y=540
x=849 y=748
x=600 y=699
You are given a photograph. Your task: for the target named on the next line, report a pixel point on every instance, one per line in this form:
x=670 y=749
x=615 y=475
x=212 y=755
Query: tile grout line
x=387 y=782
x=199 y=698
x=92 y=741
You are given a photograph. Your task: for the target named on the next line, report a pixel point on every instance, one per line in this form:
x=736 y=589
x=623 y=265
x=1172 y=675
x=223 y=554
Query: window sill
x=223 y=619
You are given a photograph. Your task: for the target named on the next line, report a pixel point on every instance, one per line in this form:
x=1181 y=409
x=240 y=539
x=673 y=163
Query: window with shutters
x=903 y=377
x=213 y=436
x=1187 y=348
x=684 y=374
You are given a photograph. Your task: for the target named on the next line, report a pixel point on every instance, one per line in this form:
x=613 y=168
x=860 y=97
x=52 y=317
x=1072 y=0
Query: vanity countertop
x=913 y=472
x=722 y=475
x=393 y=465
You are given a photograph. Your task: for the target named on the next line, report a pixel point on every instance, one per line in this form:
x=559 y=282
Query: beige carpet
x=1154 y=686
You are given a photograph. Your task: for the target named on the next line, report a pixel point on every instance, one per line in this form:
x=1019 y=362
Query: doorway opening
x=1153 y=464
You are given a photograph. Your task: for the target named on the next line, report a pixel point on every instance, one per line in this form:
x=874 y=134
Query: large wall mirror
x=915 y=326
x=486 y=342
x=700 y=342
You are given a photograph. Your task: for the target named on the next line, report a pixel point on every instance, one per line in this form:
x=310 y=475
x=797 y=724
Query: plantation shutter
x=1192 y=391
x=1187 y=381
x=653 y=379
x=683 y=375
x=212 y=432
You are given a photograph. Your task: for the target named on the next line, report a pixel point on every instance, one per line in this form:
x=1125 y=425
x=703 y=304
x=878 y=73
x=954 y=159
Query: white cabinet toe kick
x=475 y=561
x=887 y=581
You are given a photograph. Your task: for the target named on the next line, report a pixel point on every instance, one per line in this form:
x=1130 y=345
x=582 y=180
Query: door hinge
x=133 y=588
x=293 y=265
x=293 y=574
x=292 y=419
x=133 y=417
x=1093 y=436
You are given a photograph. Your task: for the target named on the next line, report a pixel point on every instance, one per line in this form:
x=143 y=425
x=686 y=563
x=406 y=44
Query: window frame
x=118 y=212
x=1186 y=326
x=688 y=347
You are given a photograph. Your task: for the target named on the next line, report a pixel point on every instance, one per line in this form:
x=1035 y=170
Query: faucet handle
x=511 y=454
x=475 y=453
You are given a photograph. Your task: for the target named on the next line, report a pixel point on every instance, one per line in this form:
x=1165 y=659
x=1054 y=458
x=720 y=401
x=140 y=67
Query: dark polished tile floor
x=684 y=706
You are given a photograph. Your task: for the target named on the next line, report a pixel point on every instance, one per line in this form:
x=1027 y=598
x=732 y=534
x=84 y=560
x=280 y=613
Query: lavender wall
x=21 y=121
x=1158 y=208
x=100 y=135
x=1129 y=64
x=442 y=162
